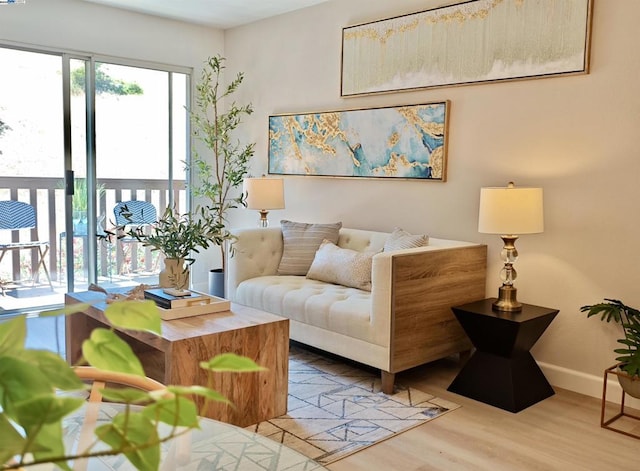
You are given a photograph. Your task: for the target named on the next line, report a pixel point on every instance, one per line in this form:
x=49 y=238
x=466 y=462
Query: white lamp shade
x=510 y=210
x=264 y=193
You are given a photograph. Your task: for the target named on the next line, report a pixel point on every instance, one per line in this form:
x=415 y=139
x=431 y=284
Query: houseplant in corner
x=613 y=310
x=217 y=177
x=177 y=237
x=33 y=412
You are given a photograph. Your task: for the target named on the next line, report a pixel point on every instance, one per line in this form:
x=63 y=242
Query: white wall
x=575 y=136
x=87 y=27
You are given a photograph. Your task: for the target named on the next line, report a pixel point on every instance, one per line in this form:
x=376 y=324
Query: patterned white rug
x=336 y=409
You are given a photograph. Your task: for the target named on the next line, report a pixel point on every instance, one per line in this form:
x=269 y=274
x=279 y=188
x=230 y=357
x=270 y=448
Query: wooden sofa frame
x=424 y=288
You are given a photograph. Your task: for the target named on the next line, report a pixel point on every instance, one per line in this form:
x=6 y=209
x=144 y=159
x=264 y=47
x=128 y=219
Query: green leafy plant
x=230 y=163
x=33 y=410
x=79 y=197
x=613 y=310
x=175 y=235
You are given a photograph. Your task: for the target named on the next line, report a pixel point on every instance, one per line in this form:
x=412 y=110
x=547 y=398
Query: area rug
x=336 y=408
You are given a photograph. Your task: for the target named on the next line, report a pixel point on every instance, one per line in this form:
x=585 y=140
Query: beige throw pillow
x=400 y=239
x=345 y=267
x=301 y=241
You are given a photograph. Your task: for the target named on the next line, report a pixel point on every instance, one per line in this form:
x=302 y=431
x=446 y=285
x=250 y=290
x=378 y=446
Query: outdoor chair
x=16 y=215
x=131 y=214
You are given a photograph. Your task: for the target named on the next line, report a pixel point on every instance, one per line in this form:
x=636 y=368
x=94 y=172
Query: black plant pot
x=216 y=282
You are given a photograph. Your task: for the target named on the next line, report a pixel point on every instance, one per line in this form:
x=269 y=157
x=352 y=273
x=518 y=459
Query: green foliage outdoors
x=613 y=310
x=3 y=128
x=32 y=410
x=104 y=83
x=230 y=159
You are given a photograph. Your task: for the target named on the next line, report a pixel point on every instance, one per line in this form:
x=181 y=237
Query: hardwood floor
x=560 y=433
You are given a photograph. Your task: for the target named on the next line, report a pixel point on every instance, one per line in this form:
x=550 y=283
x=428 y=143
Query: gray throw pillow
x=339 y=266
x=400 y=239
x=301 y=241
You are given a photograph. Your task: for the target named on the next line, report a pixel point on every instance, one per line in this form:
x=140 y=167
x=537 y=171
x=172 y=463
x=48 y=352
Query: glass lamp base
x=263 y=221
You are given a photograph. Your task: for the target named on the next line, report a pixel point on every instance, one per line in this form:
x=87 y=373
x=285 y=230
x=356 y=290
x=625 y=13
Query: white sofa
x=406 y=319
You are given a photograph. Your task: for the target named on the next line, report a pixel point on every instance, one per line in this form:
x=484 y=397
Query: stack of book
x=165 y=300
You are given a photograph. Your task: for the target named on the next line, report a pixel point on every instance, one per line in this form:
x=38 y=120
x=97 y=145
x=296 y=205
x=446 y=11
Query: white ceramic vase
x=175 y=274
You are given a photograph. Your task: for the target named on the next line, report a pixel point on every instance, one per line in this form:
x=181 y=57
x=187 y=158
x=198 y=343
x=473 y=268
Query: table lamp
x=509 y=211
x=264 y=194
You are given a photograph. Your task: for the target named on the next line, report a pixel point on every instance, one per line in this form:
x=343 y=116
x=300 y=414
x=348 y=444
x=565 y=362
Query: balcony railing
x=47 y=196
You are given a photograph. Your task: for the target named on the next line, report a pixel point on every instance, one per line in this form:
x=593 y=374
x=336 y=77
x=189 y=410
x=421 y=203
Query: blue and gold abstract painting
x=393 y=142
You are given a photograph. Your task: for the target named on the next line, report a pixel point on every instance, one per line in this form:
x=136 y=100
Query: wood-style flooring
x=560 y=433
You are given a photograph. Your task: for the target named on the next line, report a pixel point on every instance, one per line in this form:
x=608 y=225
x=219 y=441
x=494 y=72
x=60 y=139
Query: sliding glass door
x=32 y=143
x=78 y=135
x=140 y=150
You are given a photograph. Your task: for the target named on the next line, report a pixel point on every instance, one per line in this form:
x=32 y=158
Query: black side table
x=502 y=372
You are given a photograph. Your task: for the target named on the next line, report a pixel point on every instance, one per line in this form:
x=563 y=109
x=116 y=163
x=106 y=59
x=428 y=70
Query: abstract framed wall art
x=464 y=43
x=408 y=142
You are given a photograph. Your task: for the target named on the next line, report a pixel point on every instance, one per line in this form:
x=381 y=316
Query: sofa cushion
x=344 y=267
x=301 y=241
x=327 y=306
x=400 y=239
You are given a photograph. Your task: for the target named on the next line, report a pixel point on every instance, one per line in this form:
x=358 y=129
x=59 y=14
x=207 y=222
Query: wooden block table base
x=174 y=357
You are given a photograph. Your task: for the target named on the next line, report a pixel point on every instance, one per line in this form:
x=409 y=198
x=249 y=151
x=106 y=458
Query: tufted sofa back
x=260 y=251
x=362 y=241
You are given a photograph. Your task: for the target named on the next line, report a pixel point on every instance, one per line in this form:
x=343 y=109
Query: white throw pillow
x=339 y=266
x=400 y=239
x=301 y=241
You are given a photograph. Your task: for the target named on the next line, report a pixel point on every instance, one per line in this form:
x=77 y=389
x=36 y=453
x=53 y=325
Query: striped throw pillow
x=400 y=239
x=301 y=241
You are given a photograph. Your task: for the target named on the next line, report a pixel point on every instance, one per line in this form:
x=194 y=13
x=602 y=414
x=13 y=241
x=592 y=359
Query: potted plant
x=613 y=310
x=177 y=237
x=33 y=412
x=216 y=178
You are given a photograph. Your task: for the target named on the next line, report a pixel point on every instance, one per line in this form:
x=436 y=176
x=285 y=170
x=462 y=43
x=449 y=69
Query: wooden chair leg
x=387 y=381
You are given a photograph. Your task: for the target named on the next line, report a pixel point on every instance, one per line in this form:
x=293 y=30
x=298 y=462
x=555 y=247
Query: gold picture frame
x=469 y=42
x=394 y=142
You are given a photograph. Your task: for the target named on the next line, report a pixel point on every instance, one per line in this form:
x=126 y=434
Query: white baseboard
x=589 y=385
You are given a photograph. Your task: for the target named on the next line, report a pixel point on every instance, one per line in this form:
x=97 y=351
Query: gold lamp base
x=507 y=300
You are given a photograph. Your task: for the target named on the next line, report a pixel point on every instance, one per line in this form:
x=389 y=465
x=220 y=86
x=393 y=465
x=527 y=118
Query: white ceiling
x=222 y=14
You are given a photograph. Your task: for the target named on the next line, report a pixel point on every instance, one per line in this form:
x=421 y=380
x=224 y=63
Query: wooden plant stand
x=607 y=423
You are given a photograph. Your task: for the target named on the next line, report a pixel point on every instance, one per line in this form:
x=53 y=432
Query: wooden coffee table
x=173 y=357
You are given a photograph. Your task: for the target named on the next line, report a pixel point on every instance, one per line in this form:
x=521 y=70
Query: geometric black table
x=501 y=372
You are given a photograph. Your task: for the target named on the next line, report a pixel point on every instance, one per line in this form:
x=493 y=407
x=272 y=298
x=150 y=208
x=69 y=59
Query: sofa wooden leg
x=387 y=382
